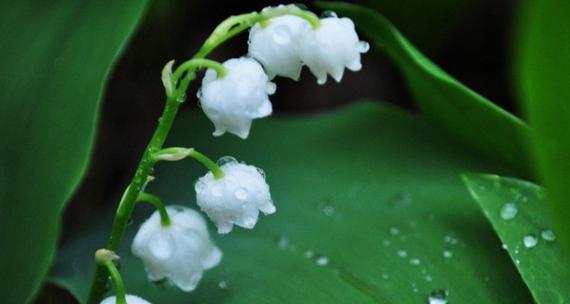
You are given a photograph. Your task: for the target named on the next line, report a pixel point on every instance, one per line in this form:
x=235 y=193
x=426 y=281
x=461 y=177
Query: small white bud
x=179 y=252
x=235 y=199
x=331 y=47
x=275 y=45
x=130 y=300
x=233 y=101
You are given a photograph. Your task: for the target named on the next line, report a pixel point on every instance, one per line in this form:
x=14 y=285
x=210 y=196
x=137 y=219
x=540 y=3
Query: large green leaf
x=55 y=59
x=544 y=85
x=516 y=210
x=358 y=188
x=466 y=114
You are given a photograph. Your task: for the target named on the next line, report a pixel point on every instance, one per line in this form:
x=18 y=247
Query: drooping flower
x=275 y=45
x=130 y=300
x=180 y=251
x=236 y=198
x=233 y=101
x=331 y=47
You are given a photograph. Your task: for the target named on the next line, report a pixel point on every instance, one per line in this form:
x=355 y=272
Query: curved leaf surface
x=55 y=59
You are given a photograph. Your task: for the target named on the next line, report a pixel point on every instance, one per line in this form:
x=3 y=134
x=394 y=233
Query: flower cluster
x=174 y=243
x=278 y=47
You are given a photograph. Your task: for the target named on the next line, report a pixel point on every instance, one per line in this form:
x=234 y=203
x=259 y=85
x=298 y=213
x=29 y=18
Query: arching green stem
x=237 y=24
x=178 y=153
x=158 y=204
x=189 y=67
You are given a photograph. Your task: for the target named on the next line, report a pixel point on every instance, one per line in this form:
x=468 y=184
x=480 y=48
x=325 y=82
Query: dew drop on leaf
x=322 y=261
x=394 y=230
x=447 y=254
x=438 y=296
x=223 y=284
x=509 y=211
x=530 y=240
x=548 y=235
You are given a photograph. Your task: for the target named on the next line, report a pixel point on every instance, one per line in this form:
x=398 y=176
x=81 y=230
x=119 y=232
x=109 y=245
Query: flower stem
x=127 y=203
x=192 y=65
x=211 y=165
x=105 y=258
x=158 y=204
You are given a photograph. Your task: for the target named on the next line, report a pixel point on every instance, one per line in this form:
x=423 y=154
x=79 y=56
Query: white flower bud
x=275 y=45
x=331 y=47
x=179 y=252
x=235 y=199
x=130 y=300
x=233 y=101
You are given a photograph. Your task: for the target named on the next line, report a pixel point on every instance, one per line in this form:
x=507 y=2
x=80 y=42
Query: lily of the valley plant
x=174 y=243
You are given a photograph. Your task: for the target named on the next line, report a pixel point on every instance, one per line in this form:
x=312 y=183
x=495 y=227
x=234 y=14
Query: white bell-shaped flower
x=130 y=300
x=275 y=45
x=233 y=101
x=331 y=47
x=179 y=252
x=236 y=198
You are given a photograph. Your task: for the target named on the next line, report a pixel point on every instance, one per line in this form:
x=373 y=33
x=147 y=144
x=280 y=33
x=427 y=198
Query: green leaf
x=55 y=59
x=516 y=210
x=543 y=67
x=467 y=115
x=354 y=187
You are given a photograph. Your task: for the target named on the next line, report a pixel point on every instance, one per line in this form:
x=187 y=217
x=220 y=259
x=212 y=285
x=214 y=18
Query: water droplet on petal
x=438 y=296
x=217 y=190
x=241 y=194
x=282 y=34
x=261 y=172
x=328 y=14
x=548 y=235
x=226 y=160
x=509 y=211
x=530 y=240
